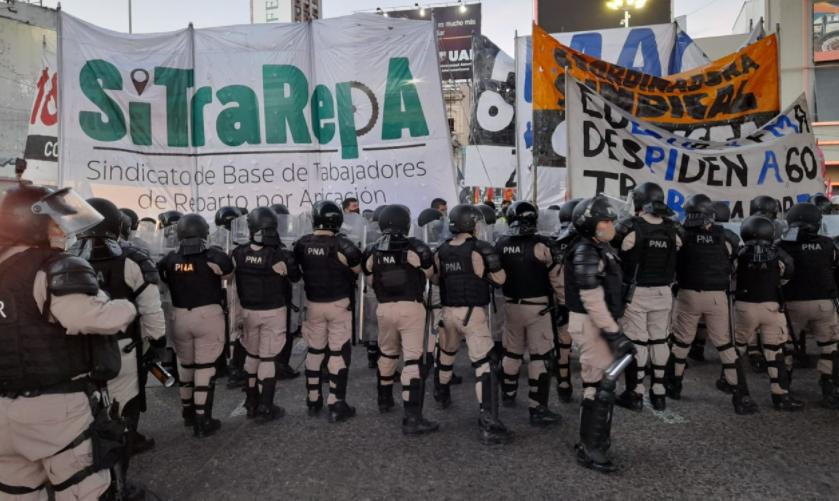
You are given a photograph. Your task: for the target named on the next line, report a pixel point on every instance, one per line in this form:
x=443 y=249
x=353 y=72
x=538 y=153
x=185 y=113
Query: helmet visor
x=68 y=210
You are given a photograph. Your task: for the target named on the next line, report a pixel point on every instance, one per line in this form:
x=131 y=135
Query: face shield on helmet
x=68 y=210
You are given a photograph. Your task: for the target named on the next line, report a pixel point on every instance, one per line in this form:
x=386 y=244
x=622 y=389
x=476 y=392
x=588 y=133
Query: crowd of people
x=82 y=329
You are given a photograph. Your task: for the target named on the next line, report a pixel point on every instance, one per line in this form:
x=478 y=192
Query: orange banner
x=722 y=100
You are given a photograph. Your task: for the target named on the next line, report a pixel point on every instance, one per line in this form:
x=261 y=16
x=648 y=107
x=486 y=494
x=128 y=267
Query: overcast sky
x=500 y=18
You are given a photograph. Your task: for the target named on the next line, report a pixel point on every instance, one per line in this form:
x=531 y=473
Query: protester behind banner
x=614 y=152
x=723 y=100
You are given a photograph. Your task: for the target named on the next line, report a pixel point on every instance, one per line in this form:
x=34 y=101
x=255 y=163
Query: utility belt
x=527 y=302
x=77 y=385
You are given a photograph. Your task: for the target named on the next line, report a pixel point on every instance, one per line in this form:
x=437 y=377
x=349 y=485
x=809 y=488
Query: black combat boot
x=205 y=425
x=541 y=415
x=673 y=387
x=413 y=423
x=743 y=403
x=629 y=399
x=722 y=383
x=595 y=431
x=442 y=392
x=492 y=430
x=251 y=401
x=314 y=406
x=784 y=401
x=385 y=400
x=188 y=413
x=659 y=402
x=340 y=410
x=267 y=411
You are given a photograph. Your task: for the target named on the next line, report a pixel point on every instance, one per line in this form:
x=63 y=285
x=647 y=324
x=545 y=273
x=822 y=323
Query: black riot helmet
x=377 y=213
x=591 y=211
x=698 y=211
x=429 y=215
x=757 y=228
x=125 y=229
x=327 y=215
x=765 y=206
x=566 y=210
x=554 y=207
x=805 y=216
x=169 y=218
x=395 y=220
x=523 y=217
x=280 y=209
x=262 y=226
x=722 y=212
x=110 y=227
x=487 y=212
x=18 y=224
x=649 y=197
x=463 y=218
x=192 y=226
x=133 y=218
x=821 y=201
x=226 y=215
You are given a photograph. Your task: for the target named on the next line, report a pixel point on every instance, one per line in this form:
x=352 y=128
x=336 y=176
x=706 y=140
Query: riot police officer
x=762 y=268
x=562 y=344
x=263 y=271
x=466 y=269
x=53 y=317
x=821 y=201
x=193 y=274
x=810 y=296
x=594 y=296
x=284 y=368
x=649 y=242
x=131 y=222
x=330 y=263
x=126 y=272
x=704 y=274
x=400 y=267
x=529 y=262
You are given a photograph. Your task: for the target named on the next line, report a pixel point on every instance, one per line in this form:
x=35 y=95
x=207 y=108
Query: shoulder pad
x=483 y=247
x=424 y=252
x=349 y=250
x=586 y=262
x=732 y=238
x=217 y=256
x=71 y=275
x=789 y=264
x=145 y=263
x=491 y=257
x=625 y=226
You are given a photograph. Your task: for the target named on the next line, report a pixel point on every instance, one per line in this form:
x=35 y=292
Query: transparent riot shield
x=304 y=223
x=484 y=231
x=239 y=233
x=287 y=229
x=220 y=237
x=548 y=223
x=435 y=233
x=170 y=239
x=149 y=233
x=353 y=228
x=499 y=229
x=624 y=208
x=830 y=226
x=365 y=305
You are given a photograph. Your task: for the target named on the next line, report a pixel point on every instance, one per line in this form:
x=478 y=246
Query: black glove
x=619 y=343
x=157 y=348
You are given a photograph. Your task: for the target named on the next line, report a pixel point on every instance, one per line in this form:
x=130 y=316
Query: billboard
x=826 y=31
x=456 y=24
x=560 y=16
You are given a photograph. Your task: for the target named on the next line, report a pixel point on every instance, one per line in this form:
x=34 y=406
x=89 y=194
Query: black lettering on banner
x=743 y=102
x=686 y=178
x=589 y=149
x=748 y=64
x=632 y=149
x=601 y=178
x=585 y=95
x=693 y=103
x=801 y=117
x=632 y=78
x=615 y=120
x=713 y=78
x=739 y=169
x=627 y=184
x=561 y=58
x=730 y=72
x=696 y=82
x=797 y=168
x=651 y=106
x=610 y=143
x=722 y=101
x=713 y=168
x=619 y=95
x=676 y=108
x=737 y=210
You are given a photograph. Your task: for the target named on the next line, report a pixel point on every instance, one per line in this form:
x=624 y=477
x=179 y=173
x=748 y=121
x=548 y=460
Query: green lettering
x=139 y=118
x=346 y=121
x=112 y=128
x=401 y=90
x=176 y=81
x=286 y=93
x=238 y=124
x=322 y=109
x=202 y=97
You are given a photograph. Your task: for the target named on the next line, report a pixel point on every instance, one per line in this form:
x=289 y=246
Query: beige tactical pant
x=198 y=340
x=526 y=329
x=327 y=326
x=32 y=432
x=478 y=341
x=595 y=354
x=401 y=327
x=645 y=324
x=126 y=385
x=819 y=318
x=691 y=306
x=263 y=337
x=769 y=320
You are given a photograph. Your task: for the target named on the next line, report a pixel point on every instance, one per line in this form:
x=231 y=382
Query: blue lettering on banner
x=671 y=164
x=675 y=200
x=653 y=156
x=769 y=162
x=643 y=39
x=780 y=124
x=802 y=198
x=588 y=43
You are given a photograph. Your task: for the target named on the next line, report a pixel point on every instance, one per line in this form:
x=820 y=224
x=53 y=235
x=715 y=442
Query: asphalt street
x=696 y=449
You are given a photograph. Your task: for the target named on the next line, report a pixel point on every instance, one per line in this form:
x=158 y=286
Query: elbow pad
x=424 y=253
x=586 y=262
x=71 y=275
x=220 y=259
x=491 y=258
x=350 y=251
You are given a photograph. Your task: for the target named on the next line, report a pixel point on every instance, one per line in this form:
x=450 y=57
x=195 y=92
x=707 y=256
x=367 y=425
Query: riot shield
x=733 y=226
x=304 y=223
x=221 y=237
x=287 y=229
x=624 y=208
x=354 y=226
x=548 y=224
x=239 y=233
x=149 y=233
x=485 y=231
x=367 y=328
x=830 y=226
x=500 y=229
x=435 y=233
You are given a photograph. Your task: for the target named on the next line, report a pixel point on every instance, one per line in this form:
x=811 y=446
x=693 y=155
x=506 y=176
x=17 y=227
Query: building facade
x=285 y=11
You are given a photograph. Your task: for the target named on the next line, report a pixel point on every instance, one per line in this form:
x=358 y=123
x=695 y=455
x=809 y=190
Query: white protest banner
x=658 y=50
x=615 y=152
x=41 y=150
x=255 y=115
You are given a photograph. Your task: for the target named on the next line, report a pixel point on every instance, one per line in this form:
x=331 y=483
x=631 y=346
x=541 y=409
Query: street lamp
x=626 y=5
x=462 y=8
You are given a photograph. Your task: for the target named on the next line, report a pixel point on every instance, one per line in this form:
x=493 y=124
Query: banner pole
x=59 y=49
x=567 y=138
x=519 y=187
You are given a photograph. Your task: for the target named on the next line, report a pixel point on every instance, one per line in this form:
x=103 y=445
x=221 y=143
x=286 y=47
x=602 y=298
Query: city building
x=285 y=11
